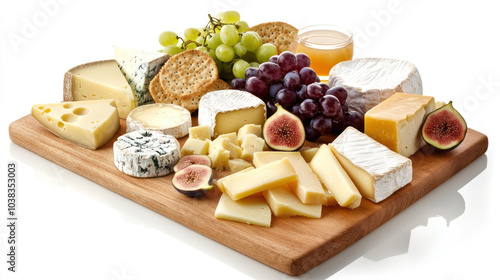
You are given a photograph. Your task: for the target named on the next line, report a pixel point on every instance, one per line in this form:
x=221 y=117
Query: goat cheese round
x=146 y=153
x=370 y=81
x=166 y=118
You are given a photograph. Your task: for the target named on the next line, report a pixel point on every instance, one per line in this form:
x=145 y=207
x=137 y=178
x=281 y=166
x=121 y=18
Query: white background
x=71 y=228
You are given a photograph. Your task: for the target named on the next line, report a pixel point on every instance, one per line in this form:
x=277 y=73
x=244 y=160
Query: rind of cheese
x=250 y=210
x=397 y=122
x=284 y=203
x=268 y=176
x=370 y=81
x=97 y=81
x=375 y=170
x=226 y=111
x=334 y=178
x=89 y=124
x=308 y=187
x=166 y=118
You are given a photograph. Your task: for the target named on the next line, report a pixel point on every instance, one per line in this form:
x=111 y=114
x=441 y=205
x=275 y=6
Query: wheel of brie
x=169 y=119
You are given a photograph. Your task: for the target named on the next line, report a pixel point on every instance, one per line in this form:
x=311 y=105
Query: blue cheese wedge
x=146 y=153
x=376 y=171
x=139 y=68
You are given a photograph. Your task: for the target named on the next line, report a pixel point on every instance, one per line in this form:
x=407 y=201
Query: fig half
x=193 y=180
x=284 y=131
x=444 y=128
x=189 y=160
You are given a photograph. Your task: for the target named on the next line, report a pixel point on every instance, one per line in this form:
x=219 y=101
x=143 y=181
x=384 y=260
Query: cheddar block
x=334 y=178
x=249 y=129
x=89 y=124
x=397 y=122
x=250 y=210
x=308 y=188
x=201 y=132
x=194 y=146
x=284 y=203
x=268 y=176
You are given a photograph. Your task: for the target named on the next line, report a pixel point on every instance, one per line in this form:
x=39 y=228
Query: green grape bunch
x=225 y=38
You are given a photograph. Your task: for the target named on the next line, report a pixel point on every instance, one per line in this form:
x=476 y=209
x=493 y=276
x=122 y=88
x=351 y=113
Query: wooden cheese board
x=292 y=245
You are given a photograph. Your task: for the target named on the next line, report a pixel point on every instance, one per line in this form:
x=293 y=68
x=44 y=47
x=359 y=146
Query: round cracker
x=280 y=34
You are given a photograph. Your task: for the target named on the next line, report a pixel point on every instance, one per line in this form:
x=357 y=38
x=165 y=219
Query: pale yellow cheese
x=194 y=146
x=232 y=121
x=201 y=132
x=268 y=176
x=284 y=203
x=308 y=188
x=308 y=153
x=251 y=144
x=219 y=159
x=334 y=178
x=329 y=198
x=249 y=129
x=89 y=124
x=226 y=144
x=97 y=81
x=250 y=210
x=238 y=164
x=220 y=182
x=231 y=136
x=168 y=119
x=397 y=122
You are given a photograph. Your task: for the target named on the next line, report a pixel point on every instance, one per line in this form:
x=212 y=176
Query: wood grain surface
x=292 y=245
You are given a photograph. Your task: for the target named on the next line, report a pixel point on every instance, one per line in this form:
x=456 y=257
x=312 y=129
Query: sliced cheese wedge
x=89 y=124
x=268 y=176
x=284 y=203
x=250 y=210
x=308 y=188
x=377 y=171
x=334 y=178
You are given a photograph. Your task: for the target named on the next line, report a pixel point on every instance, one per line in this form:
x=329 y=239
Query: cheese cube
x=397 y=122
x=268 y=176
x=219 y=159
x=250 y=210
x=238 y=164
x=375 y=170
x=308 y=188
x=249 y=129
x=194 y=146
x=201 y=132
x=226 y=144
x=284 y=203
x=334 y=178
x=231 y=136
x=89 y=124
x=251 y=144
x=308 y=153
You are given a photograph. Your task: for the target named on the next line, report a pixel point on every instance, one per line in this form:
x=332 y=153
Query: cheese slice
x=238 y=164
x=266 y=177
x=168 y=119
x=226 y=111
x=220 y=182
x=89 y=124
x=375 y=170
x=99 y=80
x=139 y=68
x=250 y=210
x=308 y=153
x=370 y=81
x=284 y=203
x=397 y=122
x=308 y=188
x=335 y=178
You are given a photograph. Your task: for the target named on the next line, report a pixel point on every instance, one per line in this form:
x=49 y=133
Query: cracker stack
x=280 y=34
x=185 y=78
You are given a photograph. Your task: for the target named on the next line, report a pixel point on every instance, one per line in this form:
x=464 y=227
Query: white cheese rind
x=139 y=68
x=168 y=119
x=390 y=171
x=370 y=81
x=146 y=153
x=222 y=101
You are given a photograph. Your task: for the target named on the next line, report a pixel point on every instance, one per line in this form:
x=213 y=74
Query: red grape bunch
x=288 y=80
